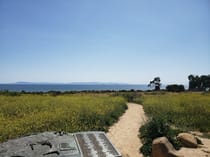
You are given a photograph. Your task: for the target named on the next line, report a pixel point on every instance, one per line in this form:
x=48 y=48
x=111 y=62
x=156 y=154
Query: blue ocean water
x=69 y=87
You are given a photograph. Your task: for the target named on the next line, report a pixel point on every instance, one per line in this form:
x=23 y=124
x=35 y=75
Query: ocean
x=69 y=87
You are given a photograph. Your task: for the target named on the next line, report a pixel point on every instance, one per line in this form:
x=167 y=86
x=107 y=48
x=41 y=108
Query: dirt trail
x=124 y=133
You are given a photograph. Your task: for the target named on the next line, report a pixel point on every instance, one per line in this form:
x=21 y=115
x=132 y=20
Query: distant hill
x=74 y=83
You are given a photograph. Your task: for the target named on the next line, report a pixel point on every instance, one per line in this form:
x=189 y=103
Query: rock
x=199 y=141
x=161 y=147
x=187 y=140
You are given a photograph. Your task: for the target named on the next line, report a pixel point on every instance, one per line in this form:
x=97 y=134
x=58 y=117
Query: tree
x=205 y=82
x=155 y=82
x=199 y=83
x=192 y=84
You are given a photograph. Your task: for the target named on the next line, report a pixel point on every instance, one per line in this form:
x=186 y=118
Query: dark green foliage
x=54 y=93
x=129 y=96
x=175 y=88
x=156 y=127
x=9 y=93
x=199 y=83
x=156 y=83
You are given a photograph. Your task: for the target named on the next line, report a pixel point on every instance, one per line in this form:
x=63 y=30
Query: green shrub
x=175 y=88
x=156 y=127
x=9 y=93
x=130 y=96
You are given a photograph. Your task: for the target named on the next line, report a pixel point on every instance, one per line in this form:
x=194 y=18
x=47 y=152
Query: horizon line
x=88 y=83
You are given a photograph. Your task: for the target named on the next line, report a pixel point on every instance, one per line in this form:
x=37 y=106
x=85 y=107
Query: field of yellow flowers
x=187 y=110
x=30 y=113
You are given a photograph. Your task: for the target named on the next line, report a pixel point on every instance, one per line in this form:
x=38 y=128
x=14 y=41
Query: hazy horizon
x=104 y=41
x=81 y=83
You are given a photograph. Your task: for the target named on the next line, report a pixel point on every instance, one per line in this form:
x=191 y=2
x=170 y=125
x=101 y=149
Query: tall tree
x=191 y=79
x=155 y=82
x=199 y=82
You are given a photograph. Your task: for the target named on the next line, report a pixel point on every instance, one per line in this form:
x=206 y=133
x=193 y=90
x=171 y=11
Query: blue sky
x=127 y=41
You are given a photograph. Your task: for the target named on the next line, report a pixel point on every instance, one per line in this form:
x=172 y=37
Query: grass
x=188 y=111
x=30 y=113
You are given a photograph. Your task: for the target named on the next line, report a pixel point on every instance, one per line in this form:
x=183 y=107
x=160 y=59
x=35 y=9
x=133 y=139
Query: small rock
x=187 y=140
x=199 y=141
x=161 y=147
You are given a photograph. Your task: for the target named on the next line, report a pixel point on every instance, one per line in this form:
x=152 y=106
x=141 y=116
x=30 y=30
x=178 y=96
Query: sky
x=123 y=41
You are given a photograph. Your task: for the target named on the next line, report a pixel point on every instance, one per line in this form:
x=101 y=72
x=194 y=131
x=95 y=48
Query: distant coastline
x=72 y=83
x=90 y=86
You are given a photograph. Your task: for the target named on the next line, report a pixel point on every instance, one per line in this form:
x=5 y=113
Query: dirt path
x=124 y=133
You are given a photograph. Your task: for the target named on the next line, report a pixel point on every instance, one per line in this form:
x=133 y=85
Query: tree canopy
x=155 y=82
x=199 y=83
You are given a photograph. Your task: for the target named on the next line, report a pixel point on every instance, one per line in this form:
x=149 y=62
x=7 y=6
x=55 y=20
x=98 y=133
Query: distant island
x=74 y=83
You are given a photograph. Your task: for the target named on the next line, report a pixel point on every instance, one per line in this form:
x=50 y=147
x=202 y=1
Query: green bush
x=130 y=96
x=175 y=88
x=156 y=127
x=9 y=93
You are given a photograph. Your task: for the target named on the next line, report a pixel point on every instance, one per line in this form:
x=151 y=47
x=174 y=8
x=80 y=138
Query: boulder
x=187 y=140
x=161 y=147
